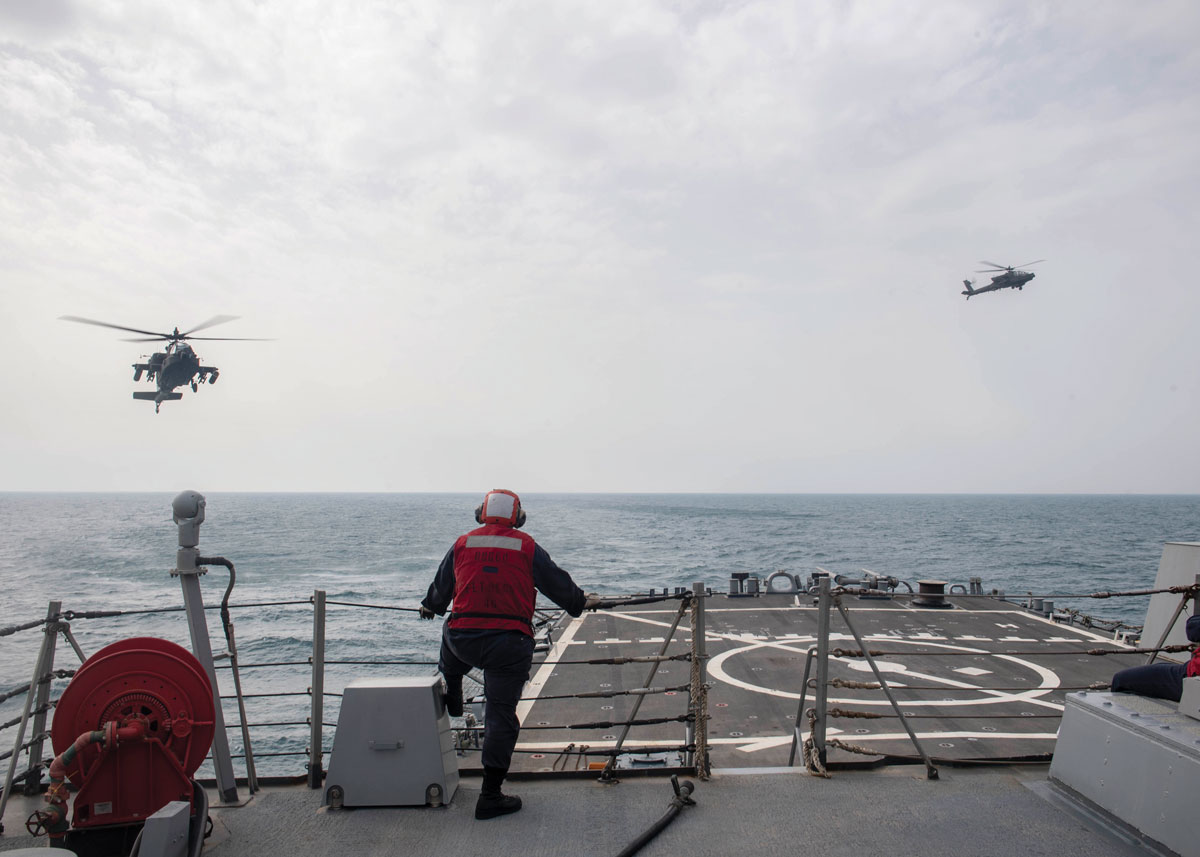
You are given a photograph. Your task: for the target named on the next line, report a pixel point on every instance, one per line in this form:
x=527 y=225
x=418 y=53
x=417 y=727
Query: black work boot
x=454 y=697
x=493 y=802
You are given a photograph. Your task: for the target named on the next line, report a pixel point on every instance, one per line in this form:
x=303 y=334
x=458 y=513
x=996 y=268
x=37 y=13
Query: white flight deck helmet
x=500 y=506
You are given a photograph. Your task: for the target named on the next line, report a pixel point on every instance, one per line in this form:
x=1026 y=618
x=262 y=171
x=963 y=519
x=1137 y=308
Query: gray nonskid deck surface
x=757 y=650
x=894 y=811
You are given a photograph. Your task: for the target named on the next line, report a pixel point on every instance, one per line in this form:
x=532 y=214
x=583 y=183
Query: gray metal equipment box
x=393 y=745
x=1136 y=758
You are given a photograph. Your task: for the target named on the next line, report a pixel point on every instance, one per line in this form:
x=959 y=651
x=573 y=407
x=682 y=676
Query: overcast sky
x=618 y=246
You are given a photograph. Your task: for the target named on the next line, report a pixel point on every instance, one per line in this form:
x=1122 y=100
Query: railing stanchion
x=797 y=730
x=33 y=780
x=822 y=689
x=315 y=771
x=698 y=728
x=1179 y=608
x=40 y=670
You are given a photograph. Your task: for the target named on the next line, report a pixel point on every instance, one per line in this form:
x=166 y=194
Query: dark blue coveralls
x=1162 y=681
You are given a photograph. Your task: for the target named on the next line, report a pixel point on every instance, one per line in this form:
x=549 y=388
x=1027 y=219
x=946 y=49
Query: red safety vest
x=493 y=580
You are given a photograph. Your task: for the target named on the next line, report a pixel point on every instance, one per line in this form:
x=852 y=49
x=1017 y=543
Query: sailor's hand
x=425 y=613
x=593 y=601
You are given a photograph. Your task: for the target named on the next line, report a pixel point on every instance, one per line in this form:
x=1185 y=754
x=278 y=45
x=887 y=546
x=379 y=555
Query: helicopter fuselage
x=175 y=367
x=1007 y=280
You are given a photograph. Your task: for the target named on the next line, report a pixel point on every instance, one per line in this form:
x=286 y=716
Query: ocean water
x=114 y=552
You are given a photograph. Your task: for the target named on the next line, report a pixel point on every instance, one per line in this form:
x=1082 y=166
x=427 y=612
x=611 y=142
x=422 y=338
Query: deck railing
x=48 y=674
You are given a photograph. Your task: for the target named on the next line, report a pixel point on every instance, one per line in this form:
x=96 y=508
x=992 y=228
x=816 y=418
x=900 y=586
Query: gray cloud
x=641 y=246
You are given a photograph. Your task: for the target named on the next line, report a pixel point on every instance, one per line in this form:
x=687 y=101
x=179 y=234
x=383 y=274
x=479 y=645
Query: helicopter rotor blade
x=212 y=322
x=994 y=265
x=990 y=270
x=1028 y=264
x=115 y=326
x=150 y=339
x=228 y=339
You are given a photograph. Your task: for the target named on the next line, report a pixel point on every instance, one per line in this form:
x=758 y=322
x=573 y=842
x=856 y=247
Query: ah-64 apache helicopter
x=1008 y=277
x=177 y=365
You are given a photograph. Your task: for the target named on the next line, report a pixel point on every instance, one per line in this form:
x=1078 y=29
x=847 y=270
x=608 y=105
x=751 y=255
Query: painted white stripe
x=504 y=542
x=543 y=674
x=751 y=743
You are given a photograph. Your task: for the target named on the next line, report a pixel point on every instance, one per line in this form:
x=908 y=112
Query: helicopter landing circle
x=1048 y=679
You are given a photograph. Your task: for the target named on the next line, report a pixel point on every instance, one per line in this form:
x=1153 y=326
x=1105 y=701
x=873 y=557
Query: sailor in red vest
x=493 y=574
x=1162 y=680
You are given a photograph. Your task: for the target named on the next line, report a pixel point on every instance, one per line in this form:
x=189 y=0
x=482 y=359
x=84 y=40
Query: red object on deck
x=155 y=705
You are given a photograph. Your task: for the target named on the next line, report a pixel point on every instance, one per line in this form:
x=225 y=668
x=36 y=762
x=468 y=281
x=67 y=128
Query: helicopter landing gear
x=193 y=386
x=157 y=405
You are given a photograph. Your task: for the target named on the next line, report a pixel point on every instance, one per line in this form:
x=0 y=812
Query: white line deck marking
x=752 y=744
x=543 y=673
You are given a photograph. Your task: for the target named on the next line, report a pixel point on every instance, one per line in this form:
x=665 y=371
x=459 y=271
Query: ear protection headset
x=500 y=506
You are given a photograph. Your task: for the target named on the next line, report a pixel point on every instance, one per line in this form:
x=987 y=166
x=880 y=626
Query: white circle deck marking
x=1049 y=679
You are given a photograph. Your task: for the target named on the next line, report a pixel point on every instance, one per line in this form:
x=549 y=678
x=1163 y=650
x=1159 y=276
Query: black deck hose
x=683 y=797
x=220 y=560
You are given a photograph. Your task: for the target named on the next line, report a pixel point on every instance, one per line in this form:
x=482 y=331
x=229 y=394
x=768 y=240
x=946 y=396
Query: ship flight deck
x=984 y=679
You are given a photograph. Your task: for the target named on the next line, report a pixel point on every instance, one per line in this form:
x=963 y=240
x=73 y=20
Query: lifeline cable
x=12 y=629
x=599 y=724
x=607 y=694
x=872 y=685
x=873 y=715
x=23 y=689
x=858 y=653
x=610 y=603
x=588 y=750
x=1041 y=759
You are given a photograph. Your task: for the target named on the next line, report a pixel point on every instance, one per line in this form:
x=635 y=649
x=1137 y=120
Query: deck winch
x=130 y=730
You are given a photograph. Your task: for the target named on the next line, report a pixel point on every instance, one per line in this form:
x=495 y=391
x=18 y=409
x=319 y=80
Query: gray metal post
x=39 y=670
x=188 y=509
x=1162 y=639
x=797 y=738
x=33 y=780
x=66 y=630
x=930 y=771
x=317 y=712
x=699 y=682
x=251 y=772
x=822 y=688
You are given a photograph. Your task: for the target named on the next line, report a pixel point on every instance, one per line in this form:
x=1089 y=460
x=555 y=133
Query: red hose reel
x=154 y=704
